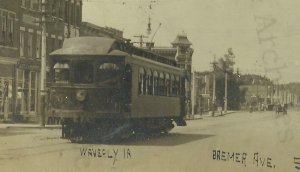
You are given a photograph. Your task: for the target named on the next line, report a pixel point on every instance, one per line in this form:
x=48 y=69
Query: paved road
x=241 y=141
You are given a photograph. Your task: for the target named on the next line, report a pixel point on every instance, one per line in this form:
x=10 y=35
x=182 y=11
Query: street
x=240 y=141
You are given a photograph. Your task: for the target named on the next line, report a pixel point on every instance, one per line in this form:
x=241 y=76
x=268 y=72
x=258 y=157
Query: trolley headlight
x=81 y=95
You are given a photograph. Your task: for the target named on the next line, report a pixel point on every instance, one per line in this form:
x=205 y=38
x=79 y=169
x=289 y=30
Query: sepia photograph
x=149 y=85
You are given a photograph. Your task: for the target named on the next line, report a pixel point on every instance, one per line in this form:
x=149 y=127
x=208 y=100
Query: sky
x=263 y=34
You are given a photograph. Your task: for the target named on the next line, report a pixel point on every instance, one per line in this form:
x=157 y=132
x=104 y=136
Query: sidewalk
x=22 y=125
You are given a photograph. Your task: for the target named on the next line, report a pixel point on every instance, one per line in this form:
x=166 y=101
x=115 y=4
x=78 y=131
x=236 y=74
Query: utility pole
x=43 y=66
x=214 y=86
x=193 y=93
x=141 y=42
x=228 y=66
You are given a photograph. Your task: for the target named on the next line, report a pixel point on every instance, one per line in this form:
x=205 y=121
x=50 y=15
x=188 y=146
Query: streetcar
x=102 y=88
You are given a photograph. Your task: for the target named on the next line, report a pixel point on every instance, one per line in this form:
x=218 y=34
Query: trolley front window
x=61 y=72
x=84 y=72
x=108 y=73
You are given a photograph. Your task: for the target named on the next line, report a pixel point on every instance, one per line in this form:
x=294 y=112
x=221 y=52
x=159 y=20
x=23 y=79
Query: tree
x=225 y=66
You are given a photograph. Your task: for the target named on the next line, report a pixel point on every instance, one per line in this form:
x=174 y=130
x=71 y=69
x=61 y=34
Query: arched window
x=167 y=85
x=173 y=85
x=161 y=83
x=149 y=82
x=141 y=81
x=177 y=83
x=61 y=72
x=155 y=83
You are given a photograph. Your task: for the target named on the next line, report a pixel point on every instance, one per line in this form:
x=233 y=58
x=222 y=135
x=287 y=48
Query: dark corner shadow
x=171 y=139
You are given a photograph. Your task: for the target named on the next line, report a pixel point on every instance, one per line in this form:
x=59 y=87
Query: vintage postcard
x=149 y=85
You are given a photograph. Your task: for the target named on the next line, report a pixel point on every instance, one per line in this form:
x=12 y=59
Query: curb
x=209 y=116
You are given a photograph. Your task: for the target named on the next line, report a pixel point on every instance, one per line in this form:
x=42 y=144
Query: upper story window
x=38 y=46
x=29 y=44
x=67 y=11
x=3 y=28
x=72 y=13
x=7 y=28
x=31 y=3
x=53 y=7
x=21 y=43
x=61 y=72
x=23 y=4
x=60 y=11
x=10 y=31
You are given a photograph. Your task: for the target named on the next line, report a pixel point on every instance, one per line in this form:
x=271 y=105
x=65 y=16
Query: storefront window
x=27 y=91
x=5 y=95
x=32 y=91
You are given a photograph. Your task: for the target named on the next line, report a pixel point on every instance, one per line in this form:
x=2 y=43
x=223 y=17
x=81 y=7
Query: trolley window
x=167 y=84
x=141 y=81
x=155 y=83
x=84 y=72
x=161 y=84
x=61 y=72
x=149 y=81
x=108 y=73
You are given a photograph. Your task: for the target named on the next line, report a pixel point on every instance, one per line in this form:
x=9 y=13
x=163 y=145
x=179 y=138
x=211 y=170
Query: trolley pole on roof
x=43 y=67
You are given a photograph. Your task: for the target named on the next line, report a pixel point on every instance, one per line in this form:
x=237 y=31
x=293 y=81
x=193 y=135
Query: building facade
x=9 y=44
x=182 y=52
x=89 y=29
x=201 y=92
x=20 y=50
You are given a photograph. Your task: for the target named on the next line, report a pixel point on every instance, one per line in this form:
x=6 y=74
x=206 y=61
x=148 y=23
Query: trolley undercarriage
x=106 y=130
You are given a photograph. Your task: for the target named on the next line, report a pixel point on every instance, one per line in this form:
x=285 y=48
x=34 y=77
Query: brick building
x=20 y=49
x=9 y=43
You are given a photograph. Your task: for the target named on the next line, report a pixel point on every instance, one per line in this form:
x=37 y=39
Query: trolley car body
x=101 y=86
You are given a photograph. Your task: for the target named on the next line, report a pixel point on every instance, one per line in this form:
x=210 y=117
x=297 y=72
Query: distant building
x=182 y=52
x=202 y=92
x=89 y=29
x=20 y=49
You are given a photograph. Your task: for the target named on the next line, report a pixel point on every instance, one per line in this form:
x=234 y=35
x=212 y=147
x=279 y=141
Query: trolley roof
x=106 y=46
x=85 y=46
